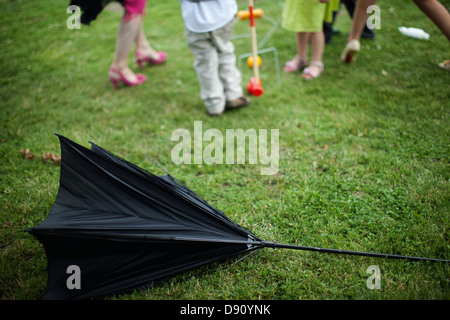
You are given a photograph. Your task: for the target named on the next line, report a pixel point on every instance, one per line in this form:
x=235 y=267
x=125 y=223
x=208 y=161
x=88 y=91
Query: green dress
x=307 y=15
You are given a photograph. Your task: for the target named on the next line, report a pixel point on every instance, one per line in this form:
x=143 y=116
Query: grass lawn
x=364 y=150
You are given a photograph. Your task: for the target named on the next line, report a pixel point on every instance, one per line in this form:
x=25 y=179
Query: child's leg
x=301 y=58
x=228 y=72
x=315 y=68
x=302 y=45
x=207 y=70
x=317 y=46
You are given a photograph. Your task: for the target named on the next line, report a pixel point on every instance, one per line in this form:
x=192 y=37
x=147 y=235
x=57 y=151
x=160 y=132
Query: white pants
x=215 y=65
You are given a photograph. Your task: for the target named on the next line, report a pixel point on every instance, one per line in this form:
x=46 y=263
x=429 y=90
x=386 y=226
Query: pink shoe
x=115 y=76
x=141 y=58
x=313 y=71
x=296 y=64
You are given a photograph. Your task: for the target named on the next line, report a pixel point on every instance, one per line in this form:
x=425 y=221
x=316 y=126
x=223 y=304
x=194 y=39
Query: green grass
x=364 y=150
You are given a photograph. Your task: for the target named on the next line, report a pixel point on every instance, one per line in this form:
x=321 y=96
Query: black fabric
x=91 y=8
x=126 y=228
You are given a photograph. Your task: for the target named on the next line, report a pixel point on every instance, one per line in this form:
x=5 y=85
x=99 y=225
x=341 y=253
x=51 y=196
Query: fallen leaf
x=51 y=157
x=27 y=154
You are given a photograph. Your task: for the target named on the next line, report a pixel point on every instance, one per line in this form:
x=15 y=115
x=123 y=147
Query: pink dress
x=134 y=8
x=92 y=8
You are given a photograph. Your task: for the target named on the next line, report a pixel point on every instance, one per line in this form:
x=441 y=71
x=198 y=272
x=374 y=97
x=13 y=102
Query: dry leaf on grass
x=46 y=157
x=27 y=154
x=51 y=157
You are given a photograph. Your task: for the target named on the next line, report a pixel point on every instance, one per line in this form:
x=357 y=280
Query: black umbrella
x=117 y=228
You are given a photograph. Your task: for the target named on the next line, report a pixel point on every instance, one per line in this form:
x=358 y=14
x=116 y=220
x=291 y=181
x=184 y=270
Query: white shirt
x=200 y=17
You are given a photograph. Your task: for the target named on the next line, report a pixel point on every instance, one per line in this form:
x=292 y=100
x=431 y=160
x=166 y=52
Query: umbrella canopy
x=125 y=228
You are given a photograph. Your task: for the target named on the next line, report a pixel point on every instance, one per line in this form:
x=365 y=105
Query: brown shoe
x=215 y=114
x=237 y=103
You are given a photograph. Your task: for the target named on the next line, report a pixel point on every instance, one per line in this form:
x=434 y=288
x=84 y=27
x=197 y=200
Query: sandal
x=140 y=58
x=116 y=77
x=295 y=64
x=445 y=65
x=313 y=71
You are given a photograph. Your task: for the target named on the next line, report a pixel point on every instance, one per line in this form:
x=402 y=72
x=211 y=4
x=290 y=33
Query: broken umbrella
x=124 y=228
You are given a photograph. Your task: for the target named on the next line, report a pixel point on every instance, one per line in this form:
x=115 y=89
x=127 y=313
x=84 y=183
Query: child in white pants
x=208 y=28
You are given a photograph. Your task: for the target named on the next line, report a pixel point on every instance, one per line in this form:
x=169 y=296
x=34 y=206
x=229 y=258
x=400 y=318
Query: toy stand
x=261 y=44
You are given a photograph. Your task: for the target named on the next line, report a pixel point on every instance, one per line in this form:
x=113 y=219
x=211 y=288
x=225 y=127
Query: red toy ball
x=254 y=87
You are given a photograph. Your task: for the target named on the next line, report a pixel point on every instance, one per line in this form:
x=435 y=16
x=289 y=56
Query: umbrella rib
x=185 y=239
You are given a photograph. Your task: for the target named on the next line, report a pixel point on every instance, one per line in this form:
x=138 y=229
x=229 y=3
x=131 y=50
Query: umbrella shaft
x=355 y=253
